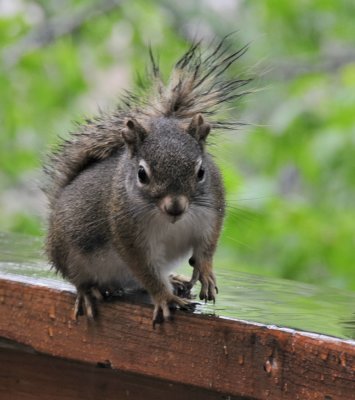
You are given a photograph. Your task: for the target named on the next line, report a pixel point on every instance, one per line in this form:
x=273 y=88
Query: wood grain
x=227 y=356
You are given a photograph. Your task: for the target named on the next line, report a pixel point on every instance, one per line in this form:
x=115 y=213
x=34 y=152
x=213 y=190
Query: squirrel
x=134 y=191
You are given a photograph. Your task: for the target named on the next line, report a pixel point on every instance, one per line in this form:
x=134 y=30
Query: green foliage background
x=289 y=174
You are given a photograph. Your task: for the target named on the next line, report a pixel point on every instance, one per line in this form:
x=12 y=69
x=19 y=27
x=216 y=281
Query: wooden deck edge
x=224 y=355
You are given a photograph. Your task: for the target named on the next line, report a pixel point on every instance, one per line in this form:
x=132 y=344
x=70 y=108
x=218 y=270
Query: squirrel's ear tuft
x=199 y=129
x=133 y=134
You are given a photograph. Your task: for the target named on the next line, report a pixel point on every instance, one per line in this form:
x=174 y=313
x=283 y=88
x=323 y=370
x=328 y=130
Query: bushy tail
x=96 y=140
x=199 y=85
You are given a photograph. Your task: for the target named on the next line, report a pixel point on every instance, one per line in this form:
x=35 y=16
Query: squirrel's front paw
x=163 y=306
x=209 y=288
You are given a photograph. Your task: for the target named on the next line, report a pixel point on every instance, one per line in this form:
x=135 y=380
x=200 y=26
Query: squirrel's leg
x=202 y=264
x=201 y=261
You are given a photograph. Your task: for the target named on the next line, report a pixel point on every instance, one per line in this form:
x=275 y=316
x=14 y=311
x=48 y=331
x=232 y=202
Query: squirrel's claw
x=161 y=313
x=209 y=289
x=83 y=306
x=84 y=303
x=162 y=308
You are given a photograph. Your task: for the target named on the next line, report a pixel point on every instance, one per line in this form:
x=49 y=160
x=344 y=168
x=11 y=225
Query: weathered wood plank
x=219 y=354
x=242 y=296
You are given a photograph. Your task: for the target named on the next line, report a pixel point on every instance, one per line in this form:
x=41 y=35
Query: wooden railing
x=264 y=339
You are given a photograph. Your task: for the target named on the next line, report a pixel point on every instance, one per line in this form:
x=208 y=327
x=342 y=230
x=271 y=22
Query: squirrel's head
x=168 y=166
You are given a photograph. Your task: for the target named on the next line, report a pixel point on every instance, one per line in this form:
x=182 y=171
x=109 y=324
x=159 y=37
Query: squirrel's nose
x=174 y=206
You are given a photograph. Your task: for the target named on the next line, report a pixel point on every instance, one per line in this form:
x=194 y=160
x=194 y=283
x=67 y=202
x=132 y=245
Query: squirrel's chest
x=168 y=243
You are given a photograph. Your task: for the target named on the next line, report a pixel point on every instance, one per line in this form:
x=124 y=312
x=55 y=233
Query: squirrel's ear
x=199 y=129
x=133 y=134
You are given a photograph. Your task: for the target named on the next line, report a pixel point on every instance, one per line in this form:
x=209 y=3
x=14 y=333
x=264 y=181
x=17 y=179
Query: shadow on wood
x=25 y=375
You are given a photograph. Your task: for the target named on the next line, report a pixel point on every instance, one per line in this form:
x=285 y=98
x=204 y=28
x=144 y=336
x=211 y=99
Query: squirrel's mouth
x=175 y=218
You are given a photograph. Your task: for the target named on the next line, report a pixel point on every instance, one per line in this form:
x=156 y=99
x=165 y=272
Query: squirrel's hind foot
x=85 y=302
x=181 y=286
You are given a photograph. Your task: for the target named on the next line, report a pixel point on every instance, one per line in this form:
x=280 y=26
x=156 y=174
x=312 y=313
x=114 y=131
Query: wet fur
x=105 y=229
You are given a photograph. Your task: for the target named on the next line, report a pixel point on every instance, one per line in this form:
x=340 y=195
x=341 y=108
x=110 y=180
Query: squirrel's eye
x=142 y=175
x=200 y=174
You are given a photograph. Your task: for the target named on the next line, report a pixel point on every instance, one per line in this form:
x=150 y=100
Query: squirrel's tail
x=95 y=140
x=198 y=84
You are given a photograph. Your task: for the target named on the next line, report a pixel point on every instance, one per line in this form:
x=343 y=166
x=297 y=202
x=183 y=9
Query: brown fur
x=134 y=191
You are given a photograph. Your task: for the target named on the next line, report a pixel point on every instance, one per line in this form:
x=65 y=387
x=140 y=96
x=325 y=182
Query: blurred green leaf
x=290 y=175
